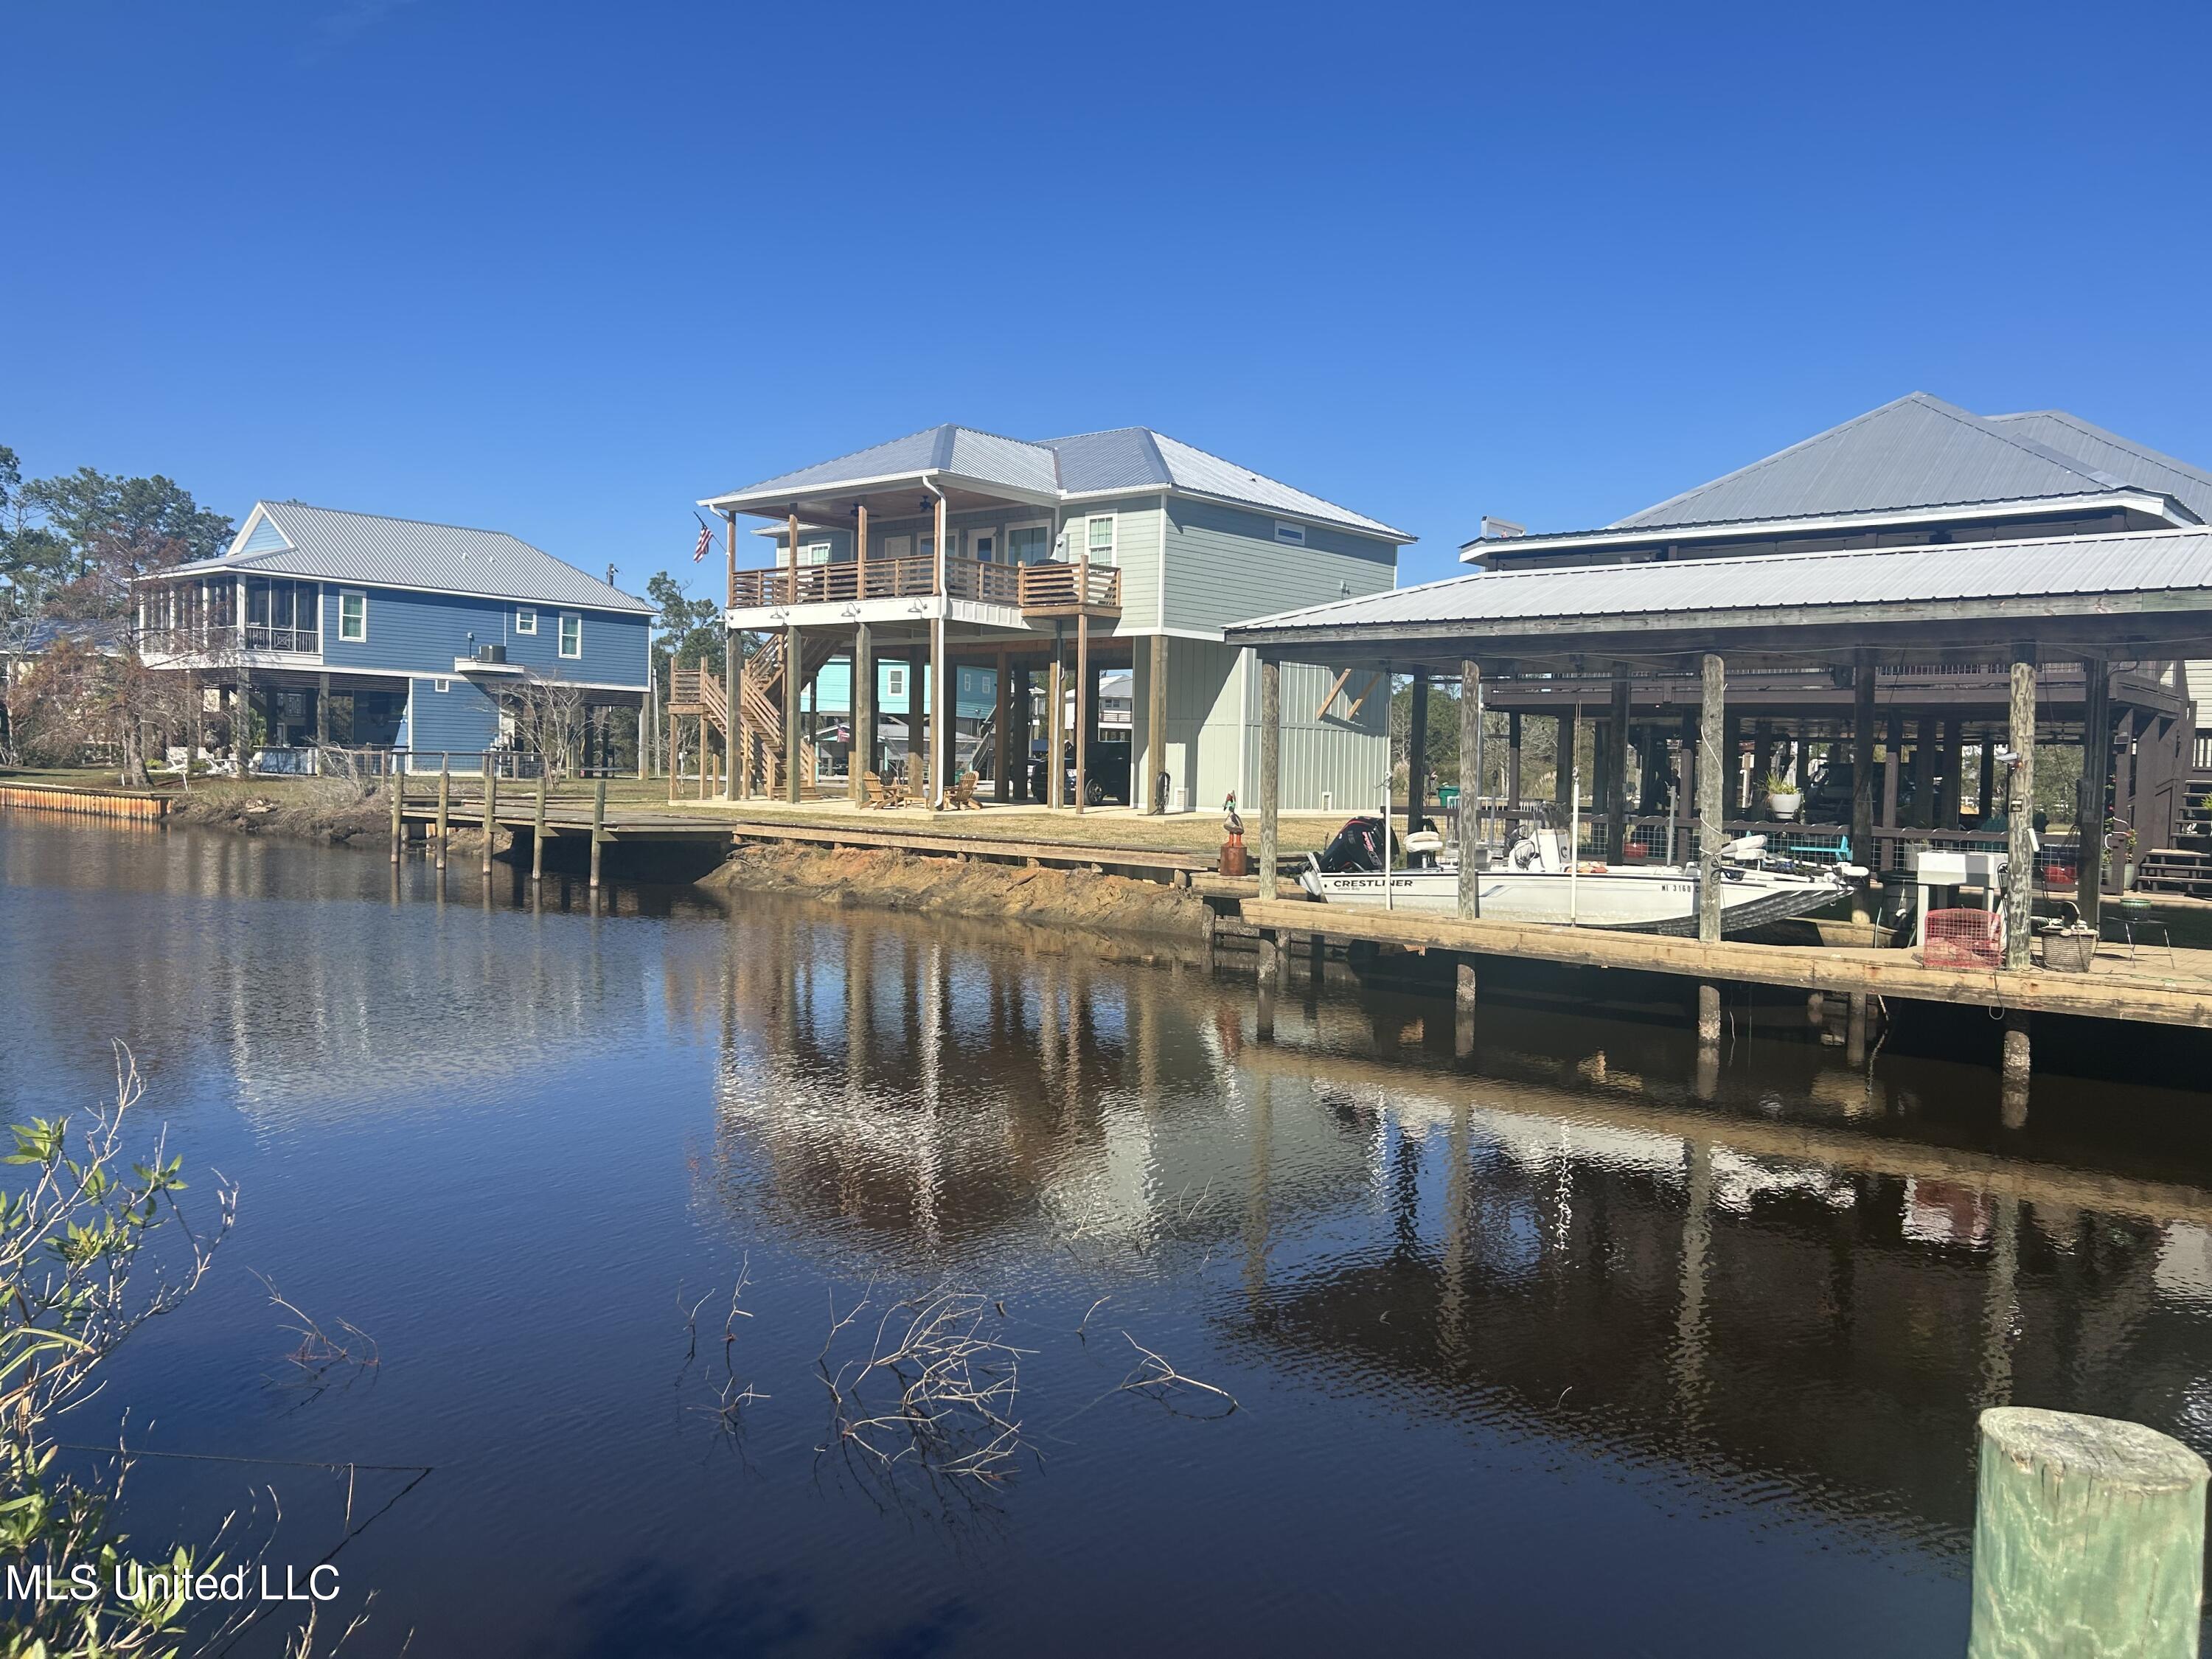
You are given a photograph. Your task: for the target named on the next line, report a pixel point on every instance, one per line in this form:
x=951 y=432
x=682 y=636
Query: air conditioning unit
x=491 y=654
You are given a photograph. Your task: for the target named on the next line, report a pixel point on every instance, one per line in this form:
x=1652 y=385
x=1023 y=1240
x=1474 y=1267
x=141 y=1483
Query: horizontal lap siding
x=423 y=633
x=1224 y=566
x=462 y=718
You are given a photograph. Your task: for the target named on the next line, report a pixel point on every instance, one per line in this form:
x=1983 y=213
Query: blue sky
x=562 y=270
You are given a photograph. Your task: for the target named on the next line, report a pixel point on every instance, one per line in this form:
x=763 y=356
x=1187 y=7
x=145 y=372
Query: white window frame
x=895 y=679
x=998 y=539
x=1110 y=553
x=567 y=616
x=526 y=619
x=1289 y=534
x=442 y=685
x=345 y=593
x=813 y=553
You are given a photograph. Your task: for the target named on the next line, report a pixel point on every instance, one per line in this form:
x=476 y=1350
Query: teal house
x=354 y=630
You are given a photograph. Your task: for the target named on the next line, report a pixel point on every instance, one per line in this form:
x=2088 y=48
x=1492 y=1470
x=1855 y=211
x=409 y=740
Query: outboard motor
x=1358 y=847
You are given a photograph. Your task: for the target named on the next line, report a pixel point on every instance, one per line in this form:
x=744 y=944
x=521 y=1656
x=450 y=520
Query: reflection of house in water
x=1808 y=1300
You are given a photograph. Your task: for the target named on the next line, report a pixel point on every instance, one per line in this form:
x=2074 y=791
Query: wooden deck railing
x=1047 y=587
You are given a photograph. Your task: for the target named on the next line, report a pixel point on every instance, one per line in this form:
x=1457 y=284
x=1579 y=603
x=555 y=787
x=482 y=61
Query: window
x=984 y=545
x=353 y=616
x=894 y=682
x=1291 y=535
x=282 y=615
x=1100 y=541
x=1029 y=544
x=814 y=553
x=526 y=619
x=572 y=634
x=442 y=685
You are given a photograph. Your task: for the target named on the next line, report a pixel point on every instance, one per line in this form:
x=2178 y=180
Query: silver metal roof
x=2108 y=452
x=330 y=545
x=1685 y=592
x=1917 y=451
x=1126 y=459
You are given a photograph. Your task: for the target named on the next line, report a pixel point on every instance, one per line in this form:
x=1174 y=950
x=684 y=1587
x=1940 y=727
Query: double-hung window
x=526 y=619
x=572 y=634
x=1099 y=539
x=353 y=616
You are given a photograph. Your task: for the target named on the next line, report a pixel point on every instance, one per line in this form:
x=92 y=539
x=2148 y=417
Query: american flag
x=706 y=541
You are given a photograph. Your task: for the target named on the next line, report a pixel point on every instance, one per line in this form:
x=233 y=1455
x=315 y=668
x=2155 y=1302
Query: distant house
x=353 y=630
x=1002 y=562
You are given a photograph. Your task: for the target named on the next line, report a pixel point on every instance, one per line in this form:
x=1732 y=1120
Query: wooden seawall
x=73 y=801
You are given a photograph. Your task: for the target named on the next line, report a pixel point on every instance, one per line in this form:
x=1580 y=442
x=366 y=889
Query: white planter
x=1785 y=807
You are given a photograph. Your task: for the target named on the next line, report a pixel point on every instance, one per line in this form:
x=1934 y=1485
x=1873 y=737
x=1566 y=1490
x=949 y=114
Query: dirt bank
x=1099 y=905
x=323 y=810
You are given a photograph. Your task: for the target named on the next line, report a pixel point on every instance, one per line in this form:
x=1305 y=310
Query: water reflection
x=1528 y=1289
x=1805 y=1287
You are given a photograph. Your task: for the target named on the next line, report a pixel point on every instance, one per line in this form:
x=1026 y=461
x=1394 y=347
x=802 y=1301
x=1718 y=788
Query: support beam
x=1270 y=768
x=1055 y=785
x=598 y=824
x=864 y=704
x=1083 y=689
x=1986 y=795
x=1712 y=764
x=491 y=807
x=1950 y=794
x=860 y=552
x=2019 y=805
x=1001 y=711
x=1563 y=781
x=1513 y=764
x=1155 y=726
x=793 y=649
x=1892 y=755
x=445 y=805
x=1862 y=721
x=1616 y=768
x=1417 y=755
x=939 y=701
x=2096 y=774
x=1470 y=787
x=733 y=674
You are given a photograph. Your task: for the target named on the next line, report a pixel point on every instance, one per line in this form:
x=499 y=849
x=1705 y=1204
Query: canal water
x=1373 y=1336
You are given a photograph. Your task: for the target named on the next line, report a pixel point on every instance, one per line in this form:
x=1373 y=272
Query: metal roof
x=1690 y=590
x=1917 y=451
x=330 y=545
x=1127 y=458
x=2093 y=446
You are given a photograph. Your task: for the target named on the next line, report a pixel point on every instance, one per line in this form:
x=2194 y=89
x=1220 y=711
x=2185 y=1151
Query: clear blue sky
x=562 y=269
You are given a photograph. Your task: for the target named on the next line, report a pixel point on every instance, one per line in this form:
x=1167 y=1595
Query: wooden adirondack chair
x=880 y=794
x=962 y=795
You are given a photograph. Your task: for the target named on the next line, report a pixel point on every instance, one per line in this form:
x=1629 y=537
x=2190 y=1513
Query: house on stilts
x=951 y=602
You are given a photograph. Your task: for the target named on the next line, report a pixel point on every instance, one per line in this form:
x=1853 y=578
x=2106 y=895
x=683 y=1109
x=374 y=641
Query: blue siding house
x=328 y=627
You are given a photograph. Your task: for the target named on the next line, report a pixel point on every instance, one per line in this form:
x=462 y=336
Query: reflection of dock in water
x=1807 y=1300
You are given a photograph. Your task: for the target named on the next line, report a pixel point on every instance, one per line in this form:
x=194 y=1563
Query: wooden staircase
x=759 y=712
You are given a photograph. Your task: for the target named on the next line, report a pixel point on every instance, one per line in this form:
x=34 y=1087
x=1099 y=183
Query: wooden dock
x=2151 y=988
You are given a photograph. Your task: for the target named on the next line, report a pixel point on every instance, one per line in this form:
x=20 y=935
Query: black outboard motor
x=1358 y=847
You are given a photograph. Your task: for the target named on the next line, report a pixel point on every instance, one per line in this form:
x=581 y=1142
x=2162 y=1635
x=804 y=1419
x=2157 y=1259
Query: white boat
x=1533 y=883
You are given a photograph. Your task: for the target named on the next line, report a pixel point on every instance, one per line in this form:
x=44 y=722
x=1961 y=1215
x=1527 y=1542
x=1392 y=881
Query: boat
x=1534 y=882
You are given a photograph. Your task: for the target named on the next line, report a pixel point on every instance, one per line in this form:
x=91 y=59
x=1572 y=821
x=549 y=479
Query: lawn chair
x=962 y=792
x=879 y=793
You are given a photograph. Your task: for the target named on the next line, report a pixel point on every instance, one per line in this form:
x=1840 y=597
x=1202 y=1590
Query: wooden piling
x=2019 y=805
x=1713 y=762
x=537 y=827
x=445 y=804
x=2089 y=1539
x=1270 y=768
x=398 y=805
x=1470 y=793
x=599 y=825
x=491 y=807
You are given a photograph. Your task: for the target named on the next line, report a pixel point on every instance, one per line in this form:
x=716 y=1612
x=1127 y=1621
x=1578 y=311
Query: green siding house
x=1057 y=561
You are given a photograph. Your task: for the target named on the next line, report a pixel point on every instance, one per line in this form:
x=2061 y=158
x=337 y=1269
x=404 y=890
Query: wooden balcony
x=1040 y=590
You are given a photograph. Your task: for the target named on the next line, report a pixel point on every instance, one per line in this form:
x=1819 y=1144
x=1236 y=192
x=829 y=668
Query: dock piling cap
x=2106 y=1450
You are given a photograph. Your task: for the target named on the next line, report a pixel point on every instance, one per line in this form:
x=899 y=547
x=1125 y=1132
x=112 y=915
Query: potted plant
x=1783 y=798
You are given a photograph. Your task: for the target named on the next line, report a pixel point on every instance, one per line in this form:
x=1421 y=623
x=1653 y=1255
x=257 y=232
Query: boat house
x=318 y=629
x=1918 y=472
x=1002 y=584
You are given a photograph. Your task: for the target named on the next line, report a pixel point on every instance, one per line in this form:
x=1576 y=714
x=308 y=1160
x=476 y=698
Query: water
x=1534 y=1350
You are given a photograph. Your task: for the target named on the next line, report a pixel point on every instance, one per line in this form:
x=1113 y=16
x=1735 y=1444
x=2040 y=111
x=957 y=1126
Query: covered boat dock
x=2082 y=611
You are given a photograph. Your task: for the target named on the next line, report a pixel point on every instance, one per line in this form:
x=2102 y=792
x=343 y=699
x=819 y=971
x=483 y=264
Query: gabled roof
x=1091 y=464
x=1641 y=598
x=1918 y=451
x=2092 y=446
x=329 y=545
